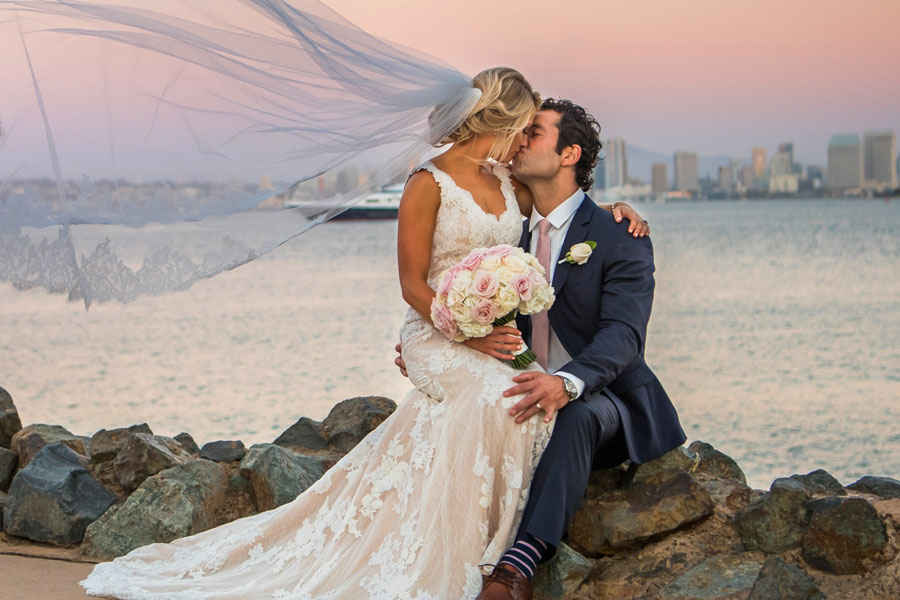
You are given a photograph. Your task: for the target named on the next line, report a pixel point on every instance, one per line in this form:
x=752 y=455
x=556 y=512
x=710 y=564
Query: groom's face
x=537 y=157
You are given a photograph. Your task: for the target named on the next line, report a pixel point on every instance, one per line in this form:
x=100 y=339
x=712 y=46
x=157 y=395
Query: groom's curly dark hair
x=577 y=126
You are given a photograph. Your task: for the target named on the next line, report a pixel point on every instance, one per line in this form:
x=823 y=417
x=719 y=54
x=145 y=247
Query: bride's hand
x=637 y=227
x=499 y=343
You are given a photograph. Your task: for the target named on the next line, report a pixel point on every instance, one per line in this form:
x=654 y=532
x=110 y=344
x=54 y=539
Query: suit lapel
x=525 y=240
x=578 y=232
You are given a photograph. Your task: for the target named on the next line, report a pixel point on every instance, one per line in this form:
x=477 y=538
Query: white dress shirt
x=559 y=219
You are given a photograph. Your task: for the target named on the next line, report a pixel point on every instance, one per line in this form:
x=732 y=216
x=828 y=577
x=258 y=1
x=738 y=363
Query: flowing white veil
x=145 y=146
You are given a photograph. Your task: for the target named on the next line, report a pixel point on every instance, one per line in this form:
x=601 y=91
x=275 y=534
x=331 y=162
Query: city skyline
x=714 y=77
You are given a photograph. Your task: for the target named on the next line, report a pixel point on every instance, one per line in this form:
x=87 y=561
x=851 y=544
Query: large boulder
x=180 y=501
x=9 y=419
x=679 y=458
x=884 y=487
x=106 y=443
x=278 y=475
x=55 y=498
x=561 y=575
x=8 y=460
x=844 y=535
x=626 y=517
x=187 y=442
x=721 y=577
x=712 y=463
x=777 y=521
x=144 y=455
x=305 y=434
x=223 y=451
x=27 y=442
x=820 y=483
x=780 y=580
x=352 y=420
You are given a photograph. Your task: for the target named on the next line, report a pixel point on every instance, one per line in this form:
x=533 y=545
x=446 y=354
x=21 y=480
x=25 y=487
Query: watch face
x=570 y=387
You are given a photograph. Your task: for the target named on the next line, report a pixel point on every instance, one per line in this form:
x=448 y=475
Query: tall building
x=845 y=163
x=780 y=164
x=660 y=180
x=600 y=175
x=725 y=179
x=747 y=177
x=789 y=148
x=686 y=171
x=616 y=163
x=879 y=158
x=759 y=162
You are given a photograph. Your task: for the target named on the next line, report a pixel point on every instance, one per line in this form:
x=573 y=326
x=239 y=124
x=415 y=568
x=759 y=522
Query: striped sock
x=525 y=555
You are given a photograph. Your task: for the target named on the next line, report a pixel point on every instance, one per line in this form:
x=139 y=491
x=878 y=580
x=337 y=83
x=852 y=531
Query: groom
x=610 y=406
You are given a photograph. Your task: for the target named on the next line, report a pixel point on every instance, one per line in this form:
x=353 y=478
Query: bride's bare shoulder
x=523 y=197
x=421 y=189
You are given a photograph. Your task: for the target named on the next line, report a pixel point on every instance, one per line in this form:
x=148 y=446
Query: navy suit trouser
x=587 y=430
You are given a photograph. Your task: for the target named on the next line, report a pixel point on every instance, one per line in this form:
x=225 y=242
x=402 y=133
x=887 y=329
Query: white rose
x=514 y=263
x=508 y=299
x=455 y=297
x=490 y=263
x=504 y=275
x=580 y=253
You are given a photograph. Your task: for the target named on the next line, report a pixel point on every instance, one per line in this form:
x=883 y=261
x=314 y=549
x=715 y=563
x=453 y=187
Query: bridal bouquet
x=489 y=288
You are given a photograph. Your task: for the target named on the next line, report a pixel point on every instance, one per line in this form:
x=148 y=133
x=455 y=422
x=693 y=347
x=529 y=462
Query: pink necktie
x=540 y=323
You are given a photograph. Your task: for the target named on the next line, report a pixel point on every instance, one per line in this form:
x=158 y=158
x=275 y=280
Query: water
x=775 y=330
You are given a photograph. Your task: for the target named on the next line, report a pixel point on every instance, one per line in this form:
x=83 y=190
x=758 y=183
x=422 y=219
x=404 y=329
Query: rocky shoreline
x=685 y=526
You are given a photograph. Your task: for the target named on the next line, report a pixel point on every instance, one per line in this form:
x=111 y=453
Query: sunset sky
x=713 y=76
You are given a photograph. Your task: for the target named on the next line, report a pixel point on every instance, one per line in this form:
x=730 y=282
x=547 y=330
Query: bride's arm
x=637 y=227
x=416 y=220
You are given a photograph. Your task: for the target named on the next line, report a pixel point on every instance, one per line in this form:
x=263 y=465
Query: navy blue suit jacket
x=600 y=316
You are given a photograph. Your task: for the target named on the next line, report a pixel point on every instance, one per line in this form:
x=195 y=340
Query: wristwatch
x=571 y=390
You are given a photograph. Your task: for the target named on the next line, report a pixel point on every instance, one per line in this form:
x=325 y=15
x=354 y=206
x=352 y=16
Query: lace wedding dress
x=412 y=510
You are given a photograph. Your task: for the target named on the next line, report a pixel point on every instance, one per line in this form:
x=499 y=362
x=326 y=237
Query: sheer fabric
x=145 y=146
x=412 y=511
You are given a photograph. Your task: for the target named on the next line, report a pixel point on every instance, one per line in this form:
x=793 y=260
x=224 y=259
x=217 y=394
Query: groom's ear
x=570 y=155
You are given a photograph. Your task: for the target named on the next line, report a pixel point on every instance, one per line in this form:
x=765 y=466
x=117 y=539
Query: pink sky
x=713 y=76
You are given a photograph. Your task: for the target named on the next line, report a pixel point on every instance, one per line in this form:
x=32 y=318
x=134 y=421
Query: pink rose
x=446 y=283
x=522 y=284
x=443 y=319
x=472 y=261
x=485 y=284
x=501 y=250
x=484 y=312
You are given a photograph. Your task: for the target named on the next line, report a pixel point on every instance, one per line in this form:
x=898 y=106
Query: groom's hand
x=399 y=361
x=542 y=392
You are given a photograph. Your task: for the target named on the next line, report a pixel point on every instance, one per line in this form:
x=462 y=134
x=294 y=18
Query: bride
x=439 y=488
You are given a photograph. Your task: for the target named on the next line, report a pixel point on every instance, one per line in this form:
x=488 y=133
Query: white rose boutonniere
x=579 y=253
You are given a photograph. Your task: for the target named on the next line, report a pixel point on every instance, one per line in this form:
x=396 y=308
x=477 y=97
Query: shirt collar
x=561 y=213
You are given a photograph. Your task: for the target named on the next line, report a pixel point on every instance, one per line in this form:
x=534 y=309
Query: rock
x=27 y=442
x=780 y=580
x=885 y=487
x=9 y=419
x=643 y=572
x=4 y=498
x=657 y=504
x=305 y=434
x=844 y=534
x=714 y=464
x=8 y=460
x=223 y=451
x=730 y=495
x=679 y=458
x=721 y=577
x=278 y=475
x=561 y=575
x=602 y=481
x=180 y=501
x=187 y=442
x=820 y=483
x=777 y=521
x=144 y=455
x=54 y=498
x=352 y=420
x=106 y=443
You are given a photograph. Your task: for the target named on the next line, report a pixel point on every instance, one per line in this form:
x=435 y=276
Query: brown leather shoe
x=505 y=583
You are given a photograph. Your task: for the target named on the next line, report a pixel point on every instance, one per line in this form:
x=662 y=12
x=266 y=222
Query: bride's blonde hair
x=505 y=108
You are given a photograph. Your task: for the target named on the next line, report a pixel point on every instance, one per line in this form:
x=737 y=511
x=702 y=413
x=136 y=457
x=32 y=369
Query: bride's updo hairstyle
x=506 y=106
